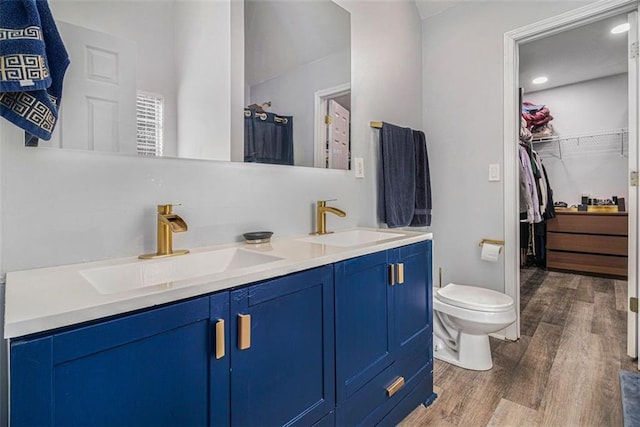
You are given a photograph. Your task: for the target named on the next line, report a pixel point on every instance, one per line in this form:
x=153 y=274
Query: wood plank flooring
x=562 y=372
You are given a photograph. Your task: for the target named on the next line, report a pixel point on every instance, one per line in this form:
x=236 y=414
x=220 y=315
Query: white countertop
x=49 y=298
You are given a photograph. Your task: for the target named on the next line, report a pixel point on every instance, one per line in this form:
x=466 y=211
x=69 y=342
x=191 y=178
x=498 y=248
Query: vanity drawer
x=382 y=393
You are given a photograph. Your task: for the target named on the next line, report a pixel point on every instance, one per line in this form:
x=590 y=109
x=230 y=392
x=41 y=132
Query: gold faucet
x=168 y=223
x=321 y=216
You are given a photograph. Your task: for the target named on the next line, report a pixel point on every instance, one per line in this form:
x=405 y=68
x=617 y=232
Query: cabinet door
x=219 y=360
x=383 y=332
x=147 y=369
x=412 y=299
x=363 y=310
x=283 y=350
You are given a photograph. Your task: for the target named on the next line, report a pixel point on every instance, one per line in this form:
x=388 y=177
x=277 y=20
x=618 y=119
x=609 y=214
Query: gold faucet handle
x=168 y=208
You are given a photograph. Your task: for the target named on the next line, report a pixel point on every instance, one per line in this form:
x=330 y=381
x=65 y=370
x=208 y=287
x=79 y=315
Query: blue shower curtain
x=268 y=137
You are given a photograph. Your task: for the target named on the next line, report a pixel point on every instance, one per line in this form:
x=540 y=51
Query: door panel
x=153 y=382
x=285 y=372
x=146 y=369
x=363 y=310
x=412 y=304
x=99 y=94
x=338 y=136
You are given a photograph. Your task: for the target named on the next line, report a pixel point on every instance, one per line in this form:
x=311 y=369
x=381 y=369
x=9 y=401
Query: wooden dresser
x=588 y=242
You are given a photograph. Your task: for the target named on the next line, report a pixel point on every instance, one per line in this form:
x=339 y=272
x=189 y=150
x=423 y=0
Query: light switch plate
x=358 y=166
x=494 y=172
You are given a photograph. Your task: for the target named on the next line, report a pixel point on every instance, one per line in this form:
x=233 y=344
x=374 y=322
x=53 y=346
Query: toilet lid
x=474 y=298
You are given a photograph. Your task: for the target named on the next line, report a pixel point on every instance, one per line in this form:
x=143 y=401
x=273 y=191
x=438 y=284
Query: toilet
x=463 y=318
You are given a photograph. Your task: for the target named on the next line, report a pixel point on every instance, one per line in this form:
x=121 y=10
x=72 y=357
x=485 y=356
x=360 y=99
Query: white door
x=98 y=108
x=632 y=318
x=338 y=132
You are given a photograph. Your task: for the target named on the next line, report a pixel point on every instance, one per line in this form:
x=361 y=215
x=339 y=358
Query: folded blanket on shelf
x=535 y=115
x=528 y=107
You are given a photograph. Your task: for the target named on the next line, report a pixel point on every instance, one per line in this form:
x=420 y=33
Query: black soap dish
x=255 y=237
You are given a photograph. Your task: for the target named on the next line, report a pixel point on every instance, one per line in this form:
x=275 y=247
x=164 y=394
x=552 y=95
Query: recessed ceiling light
x=620 y=28
x=539 y=80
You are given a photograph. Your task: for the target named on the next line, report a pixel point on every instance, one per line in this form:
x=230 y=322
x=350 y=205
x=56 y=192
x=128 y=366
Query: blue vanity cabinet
x=345 y=344
x=383 y=334
x=147 y=369
x=282 y=351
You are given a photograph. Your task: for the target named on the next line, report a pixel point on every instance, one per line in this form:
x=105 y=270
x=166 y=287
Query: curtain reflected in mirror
x=268 y=138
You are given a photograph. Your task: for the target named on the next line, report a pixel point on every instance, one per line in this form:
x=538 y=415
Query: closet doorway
x=590 y=144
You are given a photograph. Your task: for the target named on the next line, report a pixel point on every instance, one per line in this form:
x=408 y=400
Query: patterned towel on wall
x=33 y=61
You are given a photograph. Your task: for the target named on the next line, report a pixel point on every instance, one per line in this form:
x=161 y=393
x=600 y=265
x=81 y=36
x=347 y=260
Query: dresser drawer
x=587 y=263
x=589 y=223
x=590 y=243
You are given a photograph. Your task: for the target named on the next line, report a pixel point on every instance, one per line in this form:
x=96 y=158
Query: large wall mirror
x=154 y=78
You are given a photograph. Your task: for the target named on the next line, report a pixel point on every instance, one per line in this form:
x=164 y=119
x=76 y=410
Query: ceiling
x=429 y=8
x=584 y=53
x=573 y=56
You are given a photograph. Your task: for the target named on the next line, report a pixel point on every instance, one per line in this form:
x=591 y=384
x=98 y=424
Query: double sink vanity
x=324 y=330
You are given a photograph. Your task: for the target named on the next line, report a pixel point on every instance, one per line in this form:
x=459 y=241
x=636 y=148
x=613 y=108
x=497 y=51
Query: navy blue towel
x=398 y=182
x=422 y=212
x=33 y=61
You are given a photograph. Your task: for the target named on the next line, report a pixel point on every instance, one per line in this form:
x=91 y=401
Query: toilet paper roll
x=490 y=252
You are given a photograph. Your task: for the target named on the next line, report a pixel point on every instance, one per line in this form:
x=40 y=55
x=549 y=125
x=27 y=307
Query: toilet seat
x=474 y=298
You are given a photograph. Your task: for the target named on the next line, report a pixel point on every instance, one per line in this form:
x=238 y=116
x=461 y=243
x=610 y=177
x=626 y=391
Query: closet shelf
x=599 y=142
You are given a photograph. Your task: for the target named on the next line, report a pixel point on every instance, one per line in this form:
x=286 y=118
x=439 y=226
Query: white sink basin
x=161 y=272
x=350 y=238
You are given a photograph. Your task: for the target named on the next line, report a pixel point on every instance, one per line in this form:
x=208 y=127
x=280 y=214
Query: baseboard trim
x=499 y=336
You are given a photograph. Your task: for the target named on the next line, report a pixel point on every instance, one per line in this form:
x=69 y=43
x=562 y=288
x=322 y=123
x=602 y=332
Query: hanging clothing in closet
x=536 y=200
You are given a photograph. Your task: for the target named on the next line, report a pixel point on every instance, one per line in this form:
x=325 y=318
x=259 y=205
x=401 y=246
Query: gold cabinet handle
x=244 y=331
x=400 y=273
x=392 y=274
x=395 y=386
x=220 y=339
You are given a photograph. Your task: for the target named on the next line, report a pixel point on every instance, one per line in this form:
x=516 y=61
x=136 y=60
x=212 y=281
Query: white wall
x=61 y=206
x=594 y=166
x=463 y=103
x=292 y=94
x=203 y=69
x=592 y=105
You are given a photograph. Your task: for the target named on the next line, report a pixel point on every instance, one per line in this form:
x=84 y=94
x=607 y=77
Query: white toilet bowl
x=463 y=318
